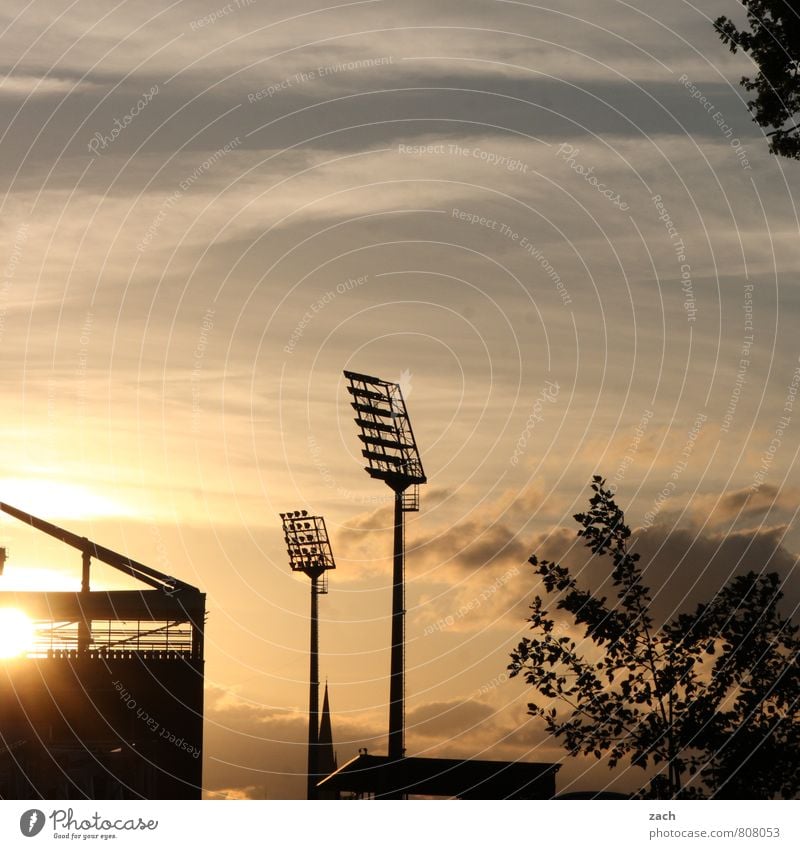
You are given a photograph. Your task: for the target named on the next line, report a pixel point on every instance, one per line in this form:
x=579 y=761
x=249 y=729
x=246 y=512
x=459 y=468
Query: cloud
x=251 y=791
x=465 y=555
x=23 y=86
x=255 y=750
x=746 y=505
x=487 y=728
x=686 y=566
x=443 y=720
x=683 y=565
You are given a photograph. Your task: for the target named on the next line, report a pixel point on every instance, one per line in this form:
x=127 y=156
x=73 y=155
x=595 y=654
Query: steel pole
x=313 y=695
x=396 y=682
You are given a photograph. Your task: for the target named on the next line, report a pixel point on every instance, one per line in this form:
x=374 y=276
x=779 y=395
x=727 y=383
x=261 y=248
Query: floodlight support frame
x=313 y=561
x=392 y=456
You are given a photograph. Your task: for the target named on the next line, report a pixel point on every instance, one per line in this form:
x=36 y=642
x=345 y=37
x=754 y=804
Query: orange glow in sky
x=58 y=500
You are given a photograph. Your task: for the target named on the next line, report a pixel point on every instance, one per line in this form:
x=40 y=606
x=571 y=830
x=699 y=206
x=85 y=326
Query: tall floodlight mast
x=392 y=456
x=310 y=552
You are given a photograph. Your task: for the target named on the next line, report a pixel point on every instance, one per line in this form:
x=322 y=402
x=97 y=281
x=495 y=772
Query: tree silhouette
x=773 y=42
x=707 y=702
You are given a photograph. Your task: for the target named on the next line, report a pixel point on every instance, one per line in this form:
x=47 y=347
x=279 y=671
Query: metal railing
x=110 y=637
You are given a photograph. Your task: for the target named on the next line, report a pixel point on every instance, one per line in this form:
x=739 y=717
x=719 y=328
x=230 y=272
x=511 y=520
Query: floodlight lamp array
x=385 y=430
x=307 y=542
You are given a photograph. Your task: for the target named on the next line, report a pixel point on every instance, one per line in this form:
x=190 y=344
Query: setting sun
x=16 y=633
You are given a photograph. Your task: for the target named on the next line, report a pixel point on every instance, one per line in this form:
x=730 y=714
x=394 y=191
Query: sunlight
x=16 y=633
x=56 y=500
x=20 y=577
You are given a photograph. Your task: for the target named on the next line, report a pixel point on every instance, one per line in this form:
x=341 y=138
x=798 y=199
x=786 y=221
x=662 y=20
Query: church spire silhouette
x=327 y=756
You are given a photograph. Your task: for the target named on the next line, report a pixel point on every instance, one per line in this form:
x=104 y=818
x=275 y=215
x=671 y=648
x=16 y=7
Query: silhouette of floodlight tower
x=393 y=457
x=310 y=552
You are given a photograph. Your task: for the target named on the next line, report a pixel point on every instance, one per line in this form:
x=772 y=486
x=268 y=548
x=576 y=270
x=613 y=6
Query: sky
x=554 y=224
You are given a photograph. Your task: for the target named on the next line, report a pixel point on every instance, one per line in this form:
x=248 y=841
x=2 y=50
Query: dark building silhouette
x=108 y=701
x=593 y=794
x=380 y=777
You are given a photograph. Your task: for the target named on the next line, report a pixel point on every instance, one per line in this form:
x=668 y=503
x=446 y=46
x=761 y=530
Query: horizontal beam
x=384 y=458
x=379 y=426
x=385 y=443
x=125 y=605
x=372 y=411
x=145 y=574
x=364 y=378
x=398 y=481
x=366 y=393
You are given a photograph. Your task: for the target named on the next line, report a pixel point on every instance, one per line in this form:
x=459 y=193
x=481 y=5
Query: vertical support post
x=397 y=679
x=85 y=626
x=313 y=695
x=87 y=565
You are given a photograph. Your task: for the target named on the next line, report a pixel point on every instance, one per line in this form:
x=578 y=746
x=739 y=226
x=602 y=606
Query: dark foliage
x=707 y=703
x=773 y=42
